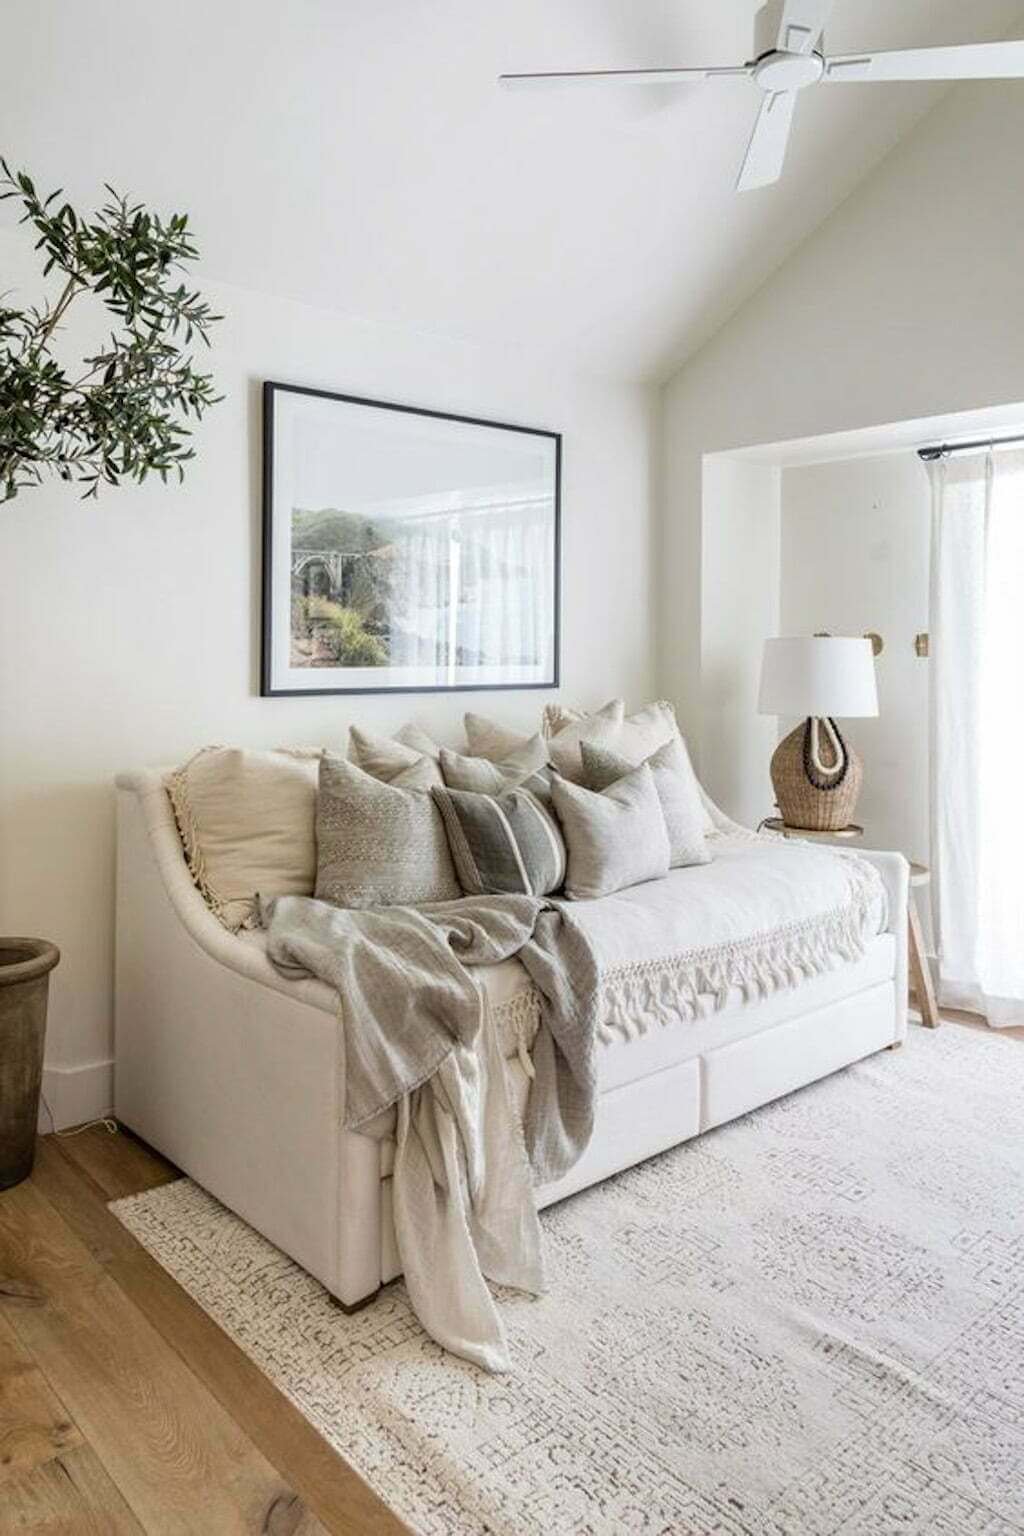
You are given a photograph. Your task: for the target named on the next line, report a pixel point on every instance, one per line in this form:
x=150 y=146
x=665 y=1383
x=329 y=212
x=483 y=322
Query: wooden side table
x=920 y=970
x=920 y=874
x=847 y=834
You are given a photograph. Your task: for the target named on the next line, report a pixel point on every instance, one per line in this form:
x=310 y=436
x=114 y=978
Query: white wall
x=740 y=546
x=129 y=629
x=854 y=558
x=906 y=303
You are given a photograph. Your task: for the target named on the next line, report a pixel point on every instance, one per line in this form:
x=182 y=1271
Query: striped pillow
x=505 y=844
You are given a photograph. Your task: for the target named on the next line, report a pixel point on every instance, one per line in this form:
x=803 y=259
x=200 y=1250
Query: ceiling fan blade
x=619 y=76
x=965 y=61
x=803 y=22
x=766 y=152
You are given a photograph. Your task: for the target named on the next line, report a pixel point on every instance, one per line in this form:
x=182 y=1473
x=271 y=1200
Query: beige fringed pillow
x=379 y=845
x=246 y=820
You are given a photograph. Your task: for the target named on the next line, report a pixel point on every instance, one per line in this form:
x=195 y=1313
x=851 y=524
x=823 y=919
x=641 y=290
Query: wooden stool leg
x=920 y=973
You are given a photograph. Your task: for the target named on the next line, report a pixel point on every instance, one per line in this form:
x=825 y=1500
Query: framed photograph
x=405 y=550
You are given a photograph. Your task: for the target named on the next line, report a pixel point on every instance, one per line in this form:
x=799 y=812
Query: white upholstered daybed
x=234 y=1072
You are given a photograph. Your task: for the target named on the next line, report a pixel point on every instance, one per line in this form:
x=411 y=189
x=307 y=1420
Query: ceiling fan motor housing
x=778 y=70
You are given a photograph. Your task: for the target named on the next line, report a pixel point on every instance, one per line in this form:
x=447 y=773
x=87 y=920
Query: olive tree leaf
x=124 y=414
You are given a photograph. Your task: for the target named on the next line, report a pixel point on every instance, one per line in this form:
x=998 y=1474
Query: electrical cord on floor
x=109 y=1124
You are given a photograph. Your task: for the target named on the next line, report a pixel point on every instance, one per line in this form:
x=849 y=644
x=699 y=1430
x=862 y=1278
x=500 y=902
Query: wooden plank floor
x=124 y=1410
x=123 y=1407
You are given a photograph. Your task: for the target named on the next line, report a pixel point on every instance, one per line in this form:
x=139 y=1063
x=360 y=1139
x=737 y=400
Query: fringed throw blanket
x=417 y=1034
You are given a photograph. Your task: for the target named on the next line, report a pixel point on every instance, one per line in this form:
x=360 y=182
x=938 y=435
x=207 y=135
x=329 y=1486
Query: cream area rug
x=809 y=1321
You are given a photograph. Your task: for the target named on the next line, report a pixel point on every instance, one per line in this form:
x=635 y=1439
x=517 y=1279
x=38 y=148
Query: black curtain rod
x=943 y=450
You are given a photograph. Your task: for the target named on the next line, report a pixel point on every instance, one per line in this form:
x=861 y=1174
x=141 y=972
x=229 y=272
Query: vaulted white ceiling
x=357 y=154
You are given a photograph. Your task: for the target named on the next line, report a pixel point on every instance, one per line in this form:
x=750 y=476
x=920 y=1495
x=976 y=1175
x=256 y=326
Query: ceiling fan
x=789 y=58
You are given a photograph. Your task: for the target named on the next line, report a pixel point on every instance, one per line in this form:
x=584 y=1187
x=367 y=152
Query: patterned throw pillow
x=379 y=845
x=504 y=844
x=385 y=757
x=614 y=839
x=678 y=791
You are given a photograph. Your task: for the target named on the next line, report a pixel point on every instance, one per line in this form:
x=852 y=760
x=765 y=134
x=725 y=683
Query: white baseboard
x=76 y=1094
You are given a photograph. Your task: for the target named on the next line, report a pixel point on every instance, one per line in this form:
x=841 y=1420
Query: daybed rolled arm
x=211 y=1040
x=195 y=916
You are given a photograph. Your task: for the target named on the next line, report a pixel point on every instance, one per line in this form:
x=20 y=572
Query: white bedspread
x=766 y=913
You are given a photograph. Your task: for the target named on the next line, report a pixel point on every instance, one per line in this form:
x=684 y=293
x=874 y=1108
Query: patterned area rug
x=810 y=1321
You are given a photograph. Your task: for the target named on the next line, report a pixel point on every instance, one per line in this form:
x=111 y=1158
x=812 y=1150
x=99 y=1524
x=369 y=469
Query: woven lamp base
x=802 y=803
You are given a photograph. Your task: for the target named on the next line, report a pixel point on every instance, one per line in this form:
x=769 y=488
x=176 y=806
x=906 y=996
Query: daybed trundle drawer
x=751 y=1072
x=656 y=1113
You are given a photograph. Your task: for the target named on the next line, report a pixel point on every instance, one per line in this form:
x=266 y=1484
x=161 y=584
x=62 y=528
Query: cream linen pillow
x=526 y=768
x=486 y=738
x=676 y=783
x=489 y=775
x=601 y=727
x=614 y=839
x=633 y=737
x=379 y=845
x=247 y=824
x=556 y=717
x=385 y=757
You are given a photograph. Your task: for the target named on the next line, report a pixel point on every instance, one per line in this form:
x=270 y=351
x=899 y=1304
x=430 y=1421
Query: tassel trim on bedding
x=176 y=785
x=647 y=994
x=517 y=1022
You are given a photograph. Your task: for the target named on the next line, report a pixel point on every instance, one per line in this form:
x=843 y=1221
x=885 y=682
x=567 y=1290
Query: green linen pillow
x=503 y=844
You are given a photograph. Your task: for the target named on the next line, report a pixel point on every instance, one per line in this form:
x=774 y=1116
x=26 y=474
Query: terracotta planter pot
x=25 y=966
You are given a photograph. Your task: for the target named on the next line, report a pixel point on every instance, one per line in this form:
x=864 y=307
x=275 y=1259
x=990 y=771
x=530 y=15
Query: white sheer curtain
x=474 y=588
x=505 y=599
x=977 y=732
x=421 y=595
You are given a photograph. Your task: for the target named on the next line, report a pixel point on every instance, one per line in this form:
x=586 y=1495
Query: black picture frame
x=271 y=390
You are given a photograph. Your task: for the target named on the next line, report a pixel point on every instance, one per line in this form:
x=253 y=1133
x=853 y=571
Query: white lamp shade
x=818 y=675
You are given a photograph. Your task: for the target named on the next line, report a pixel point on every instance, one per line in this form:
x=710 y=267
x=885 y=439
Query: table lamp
x=815 y=774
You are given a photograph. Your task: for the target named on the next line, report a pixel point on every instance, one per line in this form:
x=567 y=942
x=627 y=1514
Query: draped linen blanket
x=418 y=1035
